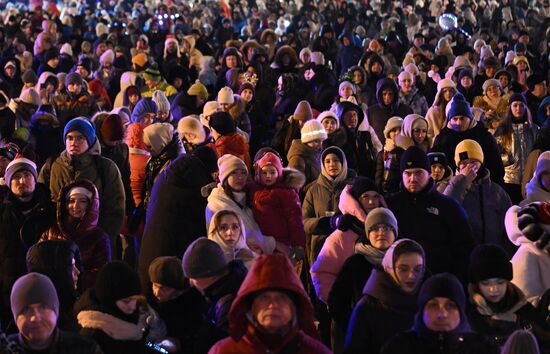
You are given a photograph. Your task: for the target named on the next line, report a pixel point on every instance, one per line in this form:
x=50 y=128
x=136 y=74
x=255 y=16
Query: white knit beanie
x=328 y=114
x=163 y=105
x=227 y=164
x=226 y=96
x=191 y=124
x=445 y=83
x=66 y=49
x=406 y=75
x=510 y=55
x=313 y=130
x=157 y=136
x=412 y=68
x=107 y=57
x=30 y=96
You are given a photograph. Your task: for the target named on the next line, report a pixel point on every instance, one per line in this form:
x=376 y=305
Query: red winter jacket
x=234 y=144
x=277 y=209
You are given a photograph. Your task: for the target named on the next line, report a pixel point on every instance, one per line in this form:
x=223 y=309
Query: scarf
x=373 y=255
x=485 y=309
x=491 y=102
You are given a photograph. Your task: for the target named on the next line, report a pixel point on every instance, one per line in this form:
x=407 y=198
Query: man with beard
x=25 y=212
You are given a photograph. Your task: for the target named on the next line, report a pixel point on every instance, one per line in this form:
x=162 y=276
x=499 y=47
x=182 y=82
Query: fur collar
x=112 y=326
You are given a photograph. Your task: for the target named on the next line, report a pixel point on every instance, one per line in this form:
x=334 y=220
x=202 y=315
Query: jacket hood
x=42 y=79
x=386 y=83
x=90 y=219
x=281 y=52
x=271 y=272
x=541 y=114
x=363 y=74
x=349 y=205
x=346 y=106
x=228 y=250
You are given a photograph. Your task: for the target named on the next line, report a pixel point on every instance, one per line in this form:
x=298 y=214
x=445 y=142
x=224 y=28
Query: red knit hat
x=270 y=159
x=111 y=128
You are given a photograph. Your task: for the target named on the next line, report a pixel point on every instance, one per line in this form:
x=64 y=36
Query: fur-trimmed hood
x=90 y=219
x=281 y=52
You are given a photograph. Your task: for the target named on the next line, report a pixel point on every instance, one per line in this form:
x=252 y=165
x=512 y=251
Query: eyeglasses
x=382 y=227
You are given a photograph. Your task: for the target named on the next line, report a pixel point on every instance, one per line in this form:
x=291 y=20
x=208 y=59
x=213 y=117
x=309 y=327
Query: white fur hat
x=318 y=58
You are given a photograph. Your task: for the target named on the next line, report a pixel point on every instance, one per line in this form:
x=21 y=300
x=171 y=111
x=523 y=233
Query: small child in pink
x=276 y=204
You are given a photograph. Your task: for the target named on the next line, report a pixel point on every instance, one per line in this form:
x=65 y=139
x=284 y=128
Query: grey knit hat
x=33 y=288
x=381 y=216
x=203 y=258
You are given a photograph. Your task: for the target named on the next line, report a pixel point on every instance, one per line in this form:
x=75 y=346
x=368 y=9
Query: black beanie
x=116 y=281
x=208 y=157
x=489 y=261
x=361 y=185
x=517 y=97
x=442 y=285
x=415 y=157
x=223 y=123
x=167 y=271
x=438 y=157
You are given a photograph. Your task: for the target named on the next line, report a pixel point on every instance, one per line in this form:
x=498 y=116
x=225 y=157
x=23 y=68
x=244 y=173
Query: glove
x=328 y=223
x=528 y=222
x=345 y=222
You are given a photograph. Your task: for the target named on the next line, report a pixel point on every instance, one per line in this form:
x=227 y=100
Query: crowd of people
x=274 y=176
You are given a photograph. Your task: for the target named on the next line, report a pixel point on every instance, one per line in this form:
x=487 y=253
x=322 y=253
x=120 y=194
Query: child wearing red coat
x=276 y=204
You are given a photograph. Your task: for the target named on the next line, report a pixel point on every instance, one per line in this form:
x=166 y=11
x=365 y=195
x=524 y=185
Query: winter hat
x=143 y=107
x=443 y=285
x=223 y=123
x=33 y=288
x=517 y=97
x=347 y=84
x=198 y=89
x=510 y=55
x=29 y=77
x=466 y=72
x=519 y=58
x=270 y=159
x=313 y=130
x=124 y=113
x=225 y=95
x=318 y=58
x=152 y=73
x=461 y=62
x=167 y=271
x=66 y=48
x=18 y=164
x=489 y=261
x=50 y=54
x=163 y=105
x=247 y=86
x=86 y=63
x=10 y=63
x=79 y=190
x=107 y=57
x=227 y=164
x=74 y=78
x=397 y=249
x=478 y=44
x=116 y=281
x=438 y=158
x=445 y=83
x=303 y=112
x=30 y=96
x=208 y=157
x=381 y=216
x=414 y=157
x=191 y=125
x=203 y=258
x=406 y=75
x=391 y=124
x=491 y=82
x=328 y=115
x=157 y=136
x=543 y=163
x=140 y=59
x=112 y=128
x=84 y=126
x=361 y=185
x=209 y=108
x=459 y=107
x=468 y=149
x=535 y=79
x=417 y=121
